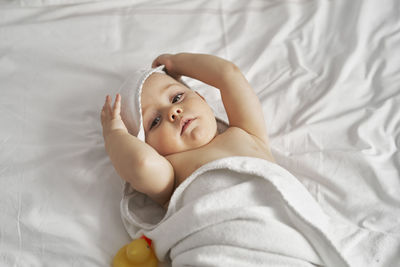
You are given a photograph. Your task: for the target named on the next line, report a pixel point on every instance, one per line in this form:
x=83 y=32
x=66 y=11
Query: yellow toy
x=138 y=253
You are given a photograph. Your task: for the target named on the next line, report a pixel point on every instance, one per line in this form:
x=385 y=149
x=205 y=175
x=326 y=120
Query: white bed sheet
x=327 y=74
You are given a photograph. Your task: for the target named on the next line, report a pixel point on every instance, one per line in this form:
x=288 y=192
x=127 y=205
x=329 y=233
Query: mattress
x=327 y=74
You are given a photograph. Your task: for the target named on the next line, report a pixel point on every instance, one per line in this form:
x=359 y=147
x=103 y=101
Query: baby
x=178 y=126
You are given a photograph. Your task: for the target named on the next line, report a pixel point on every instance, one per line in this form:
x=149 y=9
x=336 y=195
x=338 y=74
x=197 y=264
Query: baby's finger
x=104 y=111
x=160 y=60
x=155 y=63
x=117 y=105
x=107 y=105
x=102 y=115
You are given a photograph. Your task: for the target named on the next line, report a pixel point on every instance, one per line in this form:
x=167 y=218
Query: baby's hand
x=111 y=117
x=167 y=61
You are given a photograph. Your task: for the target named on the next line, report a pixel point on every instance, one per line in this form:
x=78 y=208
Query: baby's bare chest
x=233 y=142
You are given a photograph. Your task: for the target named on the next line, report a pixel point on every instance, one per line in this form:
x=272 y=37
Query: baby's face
x=175 y=118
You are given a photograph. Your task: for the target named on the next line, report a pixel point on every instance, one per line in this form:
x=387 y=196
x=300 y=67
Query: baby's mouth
x=185 y=123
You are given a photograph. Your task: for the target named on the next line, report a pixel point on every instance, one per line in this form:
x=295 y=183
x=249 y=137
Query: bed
x=327 y=74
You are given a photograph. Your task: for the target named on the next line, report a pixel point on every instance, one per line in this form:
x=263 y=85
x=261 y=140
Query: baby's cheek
x=162 y=143
x=152 y=141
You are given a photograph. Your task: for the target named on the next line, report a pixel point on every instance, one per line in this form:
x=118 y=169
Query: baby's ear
x=200 y=95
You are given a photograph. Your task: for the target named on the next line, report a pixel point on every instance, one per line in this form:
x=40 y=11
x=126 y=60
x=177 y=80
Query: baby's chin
x=181 y=150
x=199 y=140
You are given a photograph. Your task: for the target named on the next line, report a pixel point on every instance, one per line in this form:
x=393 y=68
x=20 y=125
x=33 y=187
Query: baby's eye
x=177 y=98
x=155 y=122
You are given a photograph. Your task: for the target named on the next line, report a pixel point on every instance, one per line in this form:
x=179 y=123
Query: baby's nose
x=174 y=113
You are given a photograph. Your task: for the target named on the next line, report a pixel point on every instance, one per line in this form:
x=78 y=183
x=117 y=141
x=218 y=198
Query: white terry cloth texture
x=326 y=72
x=131 y=104
x=242 y=211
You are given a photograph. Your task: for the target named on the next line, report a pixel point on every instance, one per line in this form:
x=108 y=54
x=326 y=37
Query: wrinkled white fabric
x=326 y=72
x=246 y=211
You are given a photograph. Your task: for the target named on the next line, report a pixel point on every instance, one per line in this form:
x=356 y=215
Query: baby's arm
x=240 y=101
x=135 y=161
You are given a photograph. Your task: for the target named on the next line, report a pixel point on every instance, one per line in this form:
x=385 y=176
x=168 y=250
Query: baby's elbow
x=144 y=163
x=151 y=165
x=231 y=69
x=155 y=178
x=139 y=171
x=231 y=73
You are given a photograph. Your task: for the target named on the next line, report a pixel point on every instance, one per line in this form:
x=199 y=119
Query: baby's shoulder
x=238 y=141
x=239 y=136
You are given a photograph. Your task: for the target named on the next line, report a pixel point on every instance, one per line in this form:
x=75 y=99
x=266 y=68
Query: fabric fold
x=250 y=209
